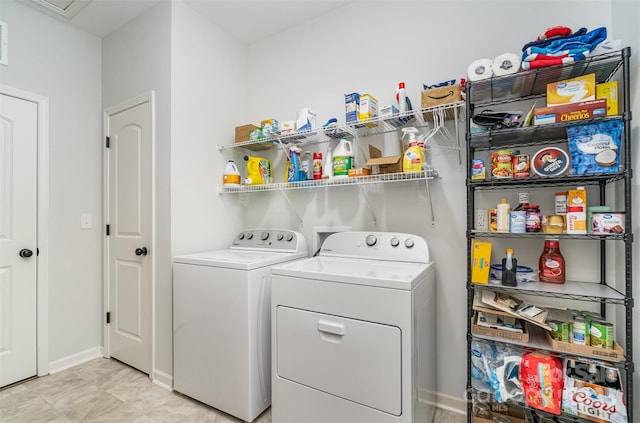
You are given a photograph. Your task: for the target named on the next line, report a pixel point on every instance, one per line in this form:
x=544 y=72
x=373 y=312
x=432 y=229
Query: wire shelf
x=540 y=182
x=417 y=118
x=333 y=182
x=541 y=235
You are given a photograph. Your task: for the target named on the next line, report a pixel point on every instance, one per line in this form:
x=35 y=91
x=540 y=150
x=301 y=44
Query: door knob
x=141 y=251
x=25 y=253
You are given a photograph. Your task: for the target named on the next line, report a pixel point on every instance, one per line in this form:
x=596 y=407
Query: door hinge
x=108 y=139
x=108 y=317
x=108 y=230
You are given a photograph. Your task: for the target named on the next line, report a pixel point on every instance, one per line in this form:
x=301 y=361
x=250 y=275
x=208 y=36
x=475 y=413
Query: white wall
x=626 y=15
x=52 y=59
x=368 y=47
x=137 y=59
x=208 y=98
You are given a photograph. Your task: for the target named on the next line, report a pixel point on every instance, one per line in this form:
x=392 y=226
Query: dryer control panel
x=377 y=245
x=270 y=239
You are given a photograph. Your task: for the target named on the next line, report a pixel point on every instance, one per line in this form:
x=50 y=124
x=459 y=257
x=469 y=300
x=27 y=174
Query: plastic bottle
x=342 y=159
x=307 y=165
x=327 y=167
x=509 y=266
x=413 y=157
x=231 y=175
x=503 y=216
x=317 y=166
x=295 y=170
x=551 y=264
x=401 y=97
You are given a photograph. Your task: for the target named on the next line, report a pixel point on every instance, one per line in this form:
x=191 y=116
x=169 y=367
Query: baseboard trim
x=74 y=359
x=451 y=403
x=163 y=380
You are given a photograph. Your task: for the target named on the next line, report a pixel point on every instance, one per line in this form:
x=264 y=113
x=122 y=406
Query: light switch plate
x=86 y=221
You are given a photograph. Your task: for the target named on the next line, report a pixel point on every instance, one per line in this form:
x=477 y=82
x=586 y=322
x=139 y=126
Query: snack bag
x=542 y=379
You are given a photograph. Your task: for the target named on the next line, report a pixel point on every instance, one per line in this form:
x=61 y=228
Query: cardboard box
x=243 y=134
x=514 y=415
x=574 y=90
x=609 y=91
x=368 y=109
x=607 y=223
x=570 y=112
x=379 y=164
x=480 y=261
x=615 y=354
x=438 y=97
x=351 y=106
x=496 y=333
x=359 y=171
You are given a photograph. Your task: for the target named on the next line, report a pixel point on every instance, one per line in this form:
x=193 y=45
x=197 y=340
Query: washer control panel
x=376 y=245
x=269 y=239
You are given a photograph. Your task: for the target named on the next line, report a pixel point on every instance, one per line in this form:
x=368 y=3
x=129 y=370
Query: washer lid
x=238 y=259
x=386 y=274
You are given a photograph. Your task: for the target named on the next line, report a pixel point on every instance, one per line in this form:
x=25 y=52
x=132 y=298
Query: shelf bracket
x=429 y=201
x=366 y=199
x=292 y=207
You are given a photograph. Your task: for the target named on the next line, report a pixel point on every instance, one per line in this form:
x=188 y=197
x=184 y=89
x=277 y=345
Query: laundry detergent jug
x=258 y=170
x=231 y=176
x=343 y=159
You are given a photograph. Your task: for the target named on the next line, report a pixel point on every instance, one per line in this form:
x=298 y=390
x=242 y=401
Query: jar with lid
x=551 y=266
x=533 y=222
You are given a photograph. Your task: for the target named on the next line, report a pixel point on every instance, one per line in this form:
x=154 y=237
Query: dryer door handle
x=332 y=327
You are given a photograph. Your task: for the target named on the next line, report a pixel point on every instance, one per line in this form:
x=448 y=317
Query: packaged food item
x=571 y=112
x=608 y=223
x=501 y=165
x=533 y=222
x=577 y=197
x=520 y=166
x=480 y=261
x=595 y=147
x=503 y=216
x=518 y=222
x=581 y=331
x=609 y=91
x=549 y=162
x=561 y=331
x=574 y=90
x=542 y=380
x=493 y=220
x=551 y=265
x=478 y=172
x=576 y=220
x=601 y=334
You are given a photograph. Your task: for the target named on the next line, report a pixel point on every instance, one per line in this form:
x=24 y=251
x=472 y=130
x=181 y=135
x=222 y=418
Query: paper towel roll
x=480 y=69
x=506 y=64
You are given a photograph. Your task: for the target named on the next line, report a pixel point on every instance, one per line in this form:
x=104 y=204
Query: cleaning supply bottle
x=327 y=167
x=401 y=98
x=413 y=156
x=307 y=165
x=343 y=158
x=317 y=165
x=509 y=268
x=231 y=175
x=295 y=170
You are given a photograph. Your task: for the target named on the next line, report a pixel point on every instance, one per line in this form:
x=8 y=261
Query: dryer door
x=356 y=360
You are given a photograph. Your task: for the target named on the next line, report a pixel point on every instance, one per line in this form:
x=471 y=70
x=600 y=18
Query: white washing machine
x=222 y=320
x=353 y=332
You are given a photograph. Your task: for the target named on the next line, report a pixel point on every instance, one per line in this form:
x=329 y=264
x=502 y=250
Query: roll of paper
x=480 y=69
x=506 y=64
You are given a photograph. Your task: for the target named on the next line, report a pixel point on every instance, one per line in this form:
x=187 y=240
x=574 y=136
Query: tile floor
x=105 y=390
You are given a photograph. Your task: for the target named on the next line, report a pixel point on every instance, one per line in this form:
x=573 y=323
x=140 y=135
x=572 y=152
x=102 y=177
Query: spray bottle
x=414 y=156
x=295 y=172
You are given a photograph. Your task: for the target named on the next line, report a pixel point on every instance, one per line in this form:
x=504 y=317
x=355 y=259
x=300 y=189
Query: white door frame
x=42 y=265
x=148 y=97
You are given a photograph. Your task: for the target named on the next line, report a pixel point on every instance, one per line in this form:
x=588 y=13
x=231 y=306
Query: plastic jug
x=231 y=175
x=343 y=159
x=258 y=170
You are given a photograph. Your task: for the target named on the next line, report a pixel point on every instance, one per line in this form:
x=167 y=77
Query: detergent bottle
x=343 y=159
x=231 y=175
x=258 y=170
x=295 y=172
x=414 y=156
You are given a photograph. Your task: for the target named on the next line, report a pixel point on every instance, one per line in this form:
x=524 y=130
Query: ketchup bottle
x=551 y=264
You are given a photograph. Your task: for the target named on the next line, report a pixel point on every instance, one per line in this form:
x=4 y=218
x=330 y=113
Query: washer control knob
x=371 y=240
x=241 y=236
x=289 y=237
x=395 y=242
x=264 y=236
x=408 y=243
x=279 y=237
x=249 y=235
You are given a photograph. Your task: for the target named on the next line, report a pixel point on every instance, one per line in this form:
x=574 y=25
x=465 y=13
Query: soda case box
x=592 y=401
x=596 y=147
x=574 y=90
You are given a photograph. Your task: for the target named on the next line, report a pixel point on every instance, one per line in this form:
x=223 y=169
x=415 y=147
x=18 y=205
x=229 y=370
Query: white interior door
x=18 y=242
x=129 y=240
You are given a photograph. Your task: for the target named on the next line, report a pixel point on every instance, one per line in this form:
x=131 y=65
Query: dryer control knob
x=249 y=235
x=264 y=236
x=408 y=243
x=279 y=237
x=289 y=237
x=241 y=236
x=395 y=242
x=371 y=240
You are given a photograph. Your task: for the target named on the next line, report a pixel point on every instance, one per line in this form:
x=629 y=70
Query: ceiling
x=247 y=20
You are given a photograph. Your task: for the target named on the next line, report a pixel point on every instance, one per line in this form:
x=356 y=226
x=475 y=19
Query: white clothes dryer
x=222 y=320
x=353 y=332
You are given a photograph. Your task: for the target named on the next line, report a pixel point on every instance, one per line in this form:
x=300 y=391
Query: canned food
x=520 y=166
x=581 y=334
x=601 y=333
x=561 y=331
x=501 y=167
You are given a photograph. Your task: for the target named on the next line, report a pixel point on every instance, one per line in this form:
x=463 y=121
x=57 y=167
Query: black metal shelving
x=531 y=85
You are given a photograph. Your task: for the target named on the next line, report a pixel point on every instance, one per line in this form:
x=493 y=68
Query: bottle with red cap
x=401 y=97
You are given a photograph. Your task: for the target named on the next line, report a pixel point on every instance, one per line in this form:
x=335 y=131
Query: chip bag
x=542 y=380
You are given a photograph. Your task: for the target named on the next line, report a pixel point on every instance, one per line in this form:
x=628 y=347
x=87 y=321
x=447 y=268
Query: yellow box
x=480 y=261
x=368 y=109
x=609 y=90
x=574 y=90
